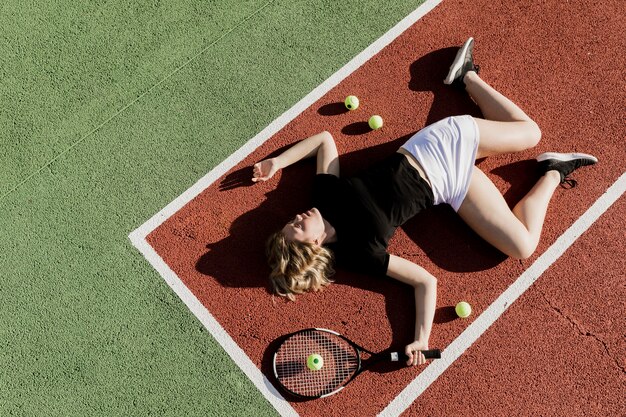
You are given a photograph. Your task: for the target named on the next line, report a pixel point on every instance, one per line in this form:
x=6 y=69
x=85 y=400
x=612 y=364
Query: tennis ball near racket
x=352 y=102
x=463 y=309
x=375 y=122
x=314 y=362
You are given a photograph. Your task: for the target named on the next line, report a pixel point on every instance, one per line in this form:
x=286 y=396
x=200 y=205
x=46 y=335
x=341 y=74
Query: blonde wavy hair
x=297 y=267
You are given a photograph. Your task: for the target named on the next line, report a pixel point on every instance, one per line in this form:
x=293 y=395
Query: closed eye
x=294 y=223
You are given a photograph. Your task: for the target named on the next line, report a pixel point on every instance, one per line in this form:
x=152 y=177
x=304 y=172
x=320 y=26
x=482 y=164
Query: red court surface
x=559 y=349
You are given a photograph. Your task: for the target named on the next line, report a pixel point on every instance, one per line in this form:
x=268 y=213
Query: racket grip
x=428 y=354
x=432 y=354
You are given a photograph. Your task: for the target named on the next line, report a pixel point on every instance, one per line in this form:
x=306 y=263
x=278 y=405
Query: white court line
x=213 y=326
x=504 y=301
x=138 y=236
x=432 y=372
x=285 y=118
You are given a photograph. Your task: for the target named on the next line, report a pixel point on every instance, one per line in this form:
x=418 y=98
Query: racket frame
x=356 y=347
x=374 y=358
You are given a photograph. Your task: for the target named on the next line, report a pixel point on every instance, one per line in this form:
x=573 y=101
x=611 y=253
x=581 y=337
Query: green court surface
x=110 y=110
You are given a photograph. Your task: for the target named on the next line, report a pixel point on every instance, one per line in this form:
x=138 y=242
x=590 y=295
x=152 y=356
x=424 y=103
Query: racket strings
x=340 y=362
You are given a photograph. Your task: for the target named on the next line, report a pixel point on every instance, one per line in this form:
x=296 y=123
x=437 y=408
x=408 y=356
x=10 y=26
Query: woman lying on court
x=354 y=218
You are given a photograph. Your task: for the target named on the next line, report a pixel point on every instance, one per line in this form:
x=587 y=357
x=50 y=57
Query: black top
x=366 y=209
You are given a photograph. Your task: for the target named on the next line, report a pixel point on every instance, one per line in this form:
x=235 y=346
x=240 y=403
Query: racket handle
x=432 y=354
x=428 y=354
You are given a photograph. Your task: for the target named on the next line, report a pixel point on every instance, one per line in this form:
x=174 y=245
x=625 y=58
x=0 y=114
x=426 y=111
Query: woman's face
x=305 y=227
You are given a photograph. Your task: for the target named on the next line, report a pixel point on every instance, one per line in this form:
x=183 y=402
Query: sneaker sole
x=564 y=157
x=459 y=59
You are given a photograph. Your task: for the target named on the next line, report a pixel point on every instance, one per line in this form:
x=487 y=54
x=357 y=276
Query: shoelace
x=571 y=183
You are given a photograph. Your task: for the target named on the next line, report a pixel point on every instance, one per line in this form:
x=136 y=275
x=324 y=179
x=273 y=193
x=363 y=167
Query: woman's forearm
x=425 y=287
x=425 y=303
x=306 y=148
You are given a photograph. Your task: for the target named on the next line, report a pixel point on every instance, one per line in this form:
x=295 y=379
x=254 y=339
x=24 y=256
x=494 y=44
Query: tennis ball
x=375 y=122
x=463 y=309
x=314 y=362
x=352 y=102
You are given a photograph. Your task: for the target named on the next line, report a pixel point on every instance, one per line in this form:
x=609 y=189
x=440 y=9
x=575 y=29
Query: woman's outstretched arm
x=425 y=286
x=321 y=144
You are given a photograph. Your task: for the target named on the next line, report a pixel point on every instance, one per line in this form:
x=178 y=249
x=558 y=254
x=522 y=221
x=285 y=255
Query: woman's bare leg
x=505 y=128
x=515 y=232
x=493 y=104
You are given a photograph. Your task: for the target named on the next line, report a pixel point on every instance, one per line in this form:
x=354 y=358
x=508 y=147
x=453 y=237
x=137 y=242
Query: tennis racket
x=341 y=361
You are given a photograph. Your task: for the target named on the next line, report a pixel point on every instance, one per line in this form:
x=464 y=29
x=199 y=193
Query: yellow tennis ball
x=352 y=103
x=314 y=362
x=375 y=122
x=463 y=309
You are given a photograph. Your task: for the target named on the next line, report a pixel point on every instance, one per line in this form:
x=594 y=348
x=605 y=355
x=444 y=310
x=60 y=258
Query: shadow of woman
x=427 y=74
x=238 y=260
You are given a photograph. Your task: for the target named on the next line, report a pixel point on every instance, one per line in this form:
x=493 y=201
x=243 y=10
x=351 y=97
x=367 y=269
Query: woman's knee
x=523 y=248
x=533 y=133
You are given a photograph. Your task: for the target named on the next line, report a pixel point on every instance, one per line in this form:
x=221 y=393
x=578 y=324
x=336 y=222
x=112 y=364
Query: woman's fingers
x=263 y=171
x=416 y=357
x=257 y=175
x=412 y=357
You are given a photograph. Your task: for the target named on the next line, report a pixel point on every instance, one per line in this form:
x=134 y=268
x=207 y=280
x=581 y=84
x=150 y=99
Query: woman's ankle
x=553 y=175
x=470 y=77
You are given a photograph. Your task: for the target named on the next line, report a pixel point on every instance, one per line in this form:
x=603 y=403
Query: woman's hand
x=264 y=170
x=413 y=352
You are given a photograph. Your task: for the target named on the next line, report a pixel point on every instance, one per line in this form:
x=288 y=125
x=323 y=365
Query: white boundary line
x=138 y=236
x=213 y=326
x=432 y=372
x=504 y=301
